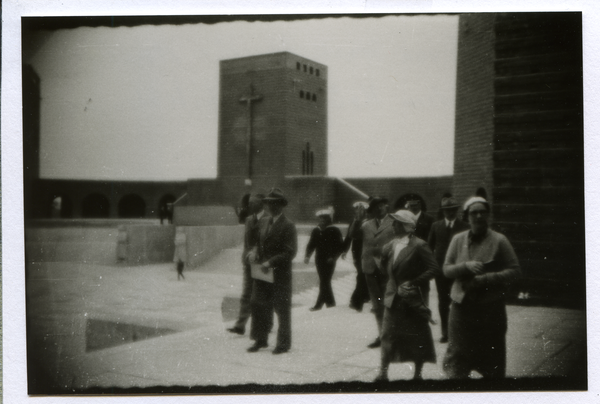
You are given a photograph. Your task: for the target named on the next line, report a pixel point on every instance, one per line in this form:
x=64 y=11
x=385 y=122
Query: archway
x=132 y=206
x=95 y=206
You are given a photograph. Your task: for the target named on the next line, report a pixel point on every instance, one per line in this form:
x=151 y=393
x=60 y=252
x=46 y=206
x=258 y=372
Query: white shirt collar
x=275 y=218
x=260 y=214
x=450 y=222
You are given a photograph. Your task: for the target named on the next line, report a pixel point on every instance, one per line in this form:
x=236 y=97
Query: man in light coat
x=376 y=232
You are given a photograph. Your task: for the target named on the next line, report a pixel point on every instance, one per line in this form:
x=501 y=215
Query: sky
x=141 y=103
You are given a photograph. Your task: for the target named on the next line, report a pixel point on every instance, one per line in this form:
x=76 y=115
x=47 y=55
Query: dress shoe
x=444 y=340
x=257 y=346
x=375 y=344
x=278 y=350
x=236 y=330
x=314 y=308
x=354 y=307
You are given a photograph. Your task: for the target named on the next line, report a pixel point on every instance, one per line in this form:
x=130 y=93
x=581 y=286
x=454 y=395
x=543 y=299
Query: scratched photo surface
x=147 y=140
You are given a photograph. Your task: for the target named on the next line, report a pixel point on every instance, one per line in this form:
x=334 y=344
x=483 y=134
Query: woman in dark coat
x=406 y=334
x=327 y=241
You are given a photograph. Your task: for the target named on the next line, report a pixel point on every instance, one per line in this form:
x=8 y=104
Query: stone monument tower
x=272 y=121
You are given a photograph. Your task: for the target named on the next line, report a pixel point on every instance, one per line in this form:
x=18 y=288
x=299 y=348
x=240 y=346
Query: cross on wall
x=248 y=100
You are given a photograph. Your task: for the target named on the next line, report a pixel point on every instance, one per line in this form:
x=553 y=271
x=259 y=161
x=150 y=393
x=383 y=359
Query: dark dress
x=327 y=244
x=406 y=334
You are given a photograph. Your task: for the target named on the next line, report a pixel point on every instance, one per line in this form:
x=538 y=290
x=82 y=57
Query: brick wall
x=520 y=80
x=474 y=124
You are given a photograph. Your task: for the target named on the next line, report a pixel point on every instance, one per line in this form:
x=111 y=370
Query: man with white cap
x=440 y=235
x=326 y=241
x=482 y=263
x=354 y=239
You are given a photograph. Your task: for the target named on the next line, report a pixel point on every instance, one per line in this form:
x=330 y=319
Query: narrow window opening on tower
x=304 y=68
x=314 y=97
x=303 y=162
x=307 y=95
x=318 y=73
x=301 y=94
x=311 y=70
x=297 y=65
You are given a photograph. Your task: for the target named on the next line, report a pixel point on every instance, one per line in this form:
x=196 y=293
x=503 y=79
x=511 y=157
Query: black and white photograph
x=285 y=203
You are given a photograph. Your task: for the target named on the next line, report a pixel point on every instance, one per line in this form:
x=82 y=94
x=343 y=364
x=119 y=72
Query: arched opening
x=165 y=208
x=95 y=206
x=61 y=207
x=132 y=206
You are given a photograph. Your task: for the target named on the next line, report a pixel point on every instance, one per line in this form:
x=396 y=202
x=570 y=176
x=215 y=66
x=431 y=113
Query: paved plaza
x=122 y=327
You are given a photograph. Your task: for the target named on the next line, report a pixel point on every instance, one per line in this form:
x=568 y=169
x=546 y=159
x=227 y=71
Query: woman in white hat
x=327 y=243
x=482 y=263
x=410 y=264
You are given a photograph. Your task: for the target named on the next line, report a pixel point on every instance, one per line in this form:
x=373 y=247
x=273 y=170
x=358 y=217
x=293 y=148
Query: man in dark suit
x=276 y=248
x=440 y=236
x=375 y=234
x=353 y=241
x=251 y=235
x=424 y=221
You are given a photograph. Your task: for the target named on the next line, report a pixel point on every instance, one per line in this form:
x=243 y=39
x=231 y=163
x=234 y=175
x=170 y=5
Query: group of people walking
x=396 y=255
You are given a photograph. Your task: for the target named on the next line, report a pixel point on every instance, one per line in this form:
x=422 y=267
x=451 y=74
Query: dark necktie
x=269 y=226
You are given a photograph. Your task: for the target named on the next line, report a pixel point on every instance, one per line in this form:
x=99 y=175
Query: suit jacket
x=424 y=226
x=440 y=236
x=278 y=246
x=251 y=234
x=374 y=238
x=415 y=263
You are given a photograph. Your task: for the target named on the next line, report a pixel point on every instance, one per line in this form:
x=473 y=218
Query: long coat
x=406 y=334
x=440 y=237
x=278 y=244
x=374 y=238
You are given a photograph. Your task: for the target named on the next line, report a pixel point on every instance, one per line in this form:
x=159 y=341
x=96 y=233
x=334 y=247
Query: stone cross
x=249 y=99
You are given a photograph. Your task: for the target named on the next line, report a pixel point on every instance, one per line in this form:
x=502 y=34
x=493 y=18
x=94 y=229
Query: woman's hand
x=251 y=257
x=265 y=267
x=476 y=267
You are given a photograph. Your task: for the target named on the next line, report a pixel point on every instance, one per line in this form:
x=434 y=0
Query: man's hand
x=306 y=259
x=265 y=267
x=476 y=267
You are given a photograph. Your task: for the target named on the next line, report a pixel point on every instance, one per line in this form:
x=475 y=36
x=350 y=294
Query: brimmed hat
x=324 y=212
x=376 y=200
x=449 y=203
x=361 y=204
x=405 y=216
x=413 y=199
x=275 y=195
x=476 y=199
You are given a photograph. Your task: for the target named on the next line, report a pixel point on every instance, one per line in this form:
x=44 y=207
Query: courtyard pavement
x=94 y=326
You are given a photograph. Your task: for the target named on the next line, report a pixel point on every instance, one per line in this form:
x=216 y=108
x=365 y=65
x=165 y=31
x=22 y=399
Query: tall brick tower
x=272 y=121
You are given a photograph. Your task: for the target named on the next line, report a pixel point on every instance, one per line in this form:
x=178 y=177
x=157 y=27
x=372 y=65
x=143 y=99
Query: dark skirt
x=406 y=335
x=477 y=340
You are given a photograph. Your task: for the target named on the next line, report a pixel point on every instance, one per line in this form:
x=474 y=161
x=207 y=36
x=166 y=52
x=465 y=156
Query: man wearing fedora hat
x=375 y=234
x=276 y=248
x=440 y=235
